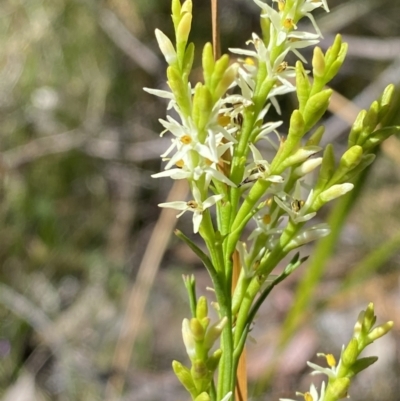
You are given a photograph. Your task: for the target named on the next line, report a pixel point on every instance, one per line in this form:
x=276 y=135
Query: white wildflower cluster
x=201 y=151
x=340 y=374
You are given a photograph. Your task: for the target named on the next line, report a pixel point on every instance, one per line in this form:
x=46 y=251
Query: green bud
x=315 y=108
x=360 y=365
x=316 y=137
x=385 y=101
x=184 y=376
x=221 y=66
x=179 y=89
x=351 y=158
x=203 y=397
x=188 y=59
x=377 y=137
x=202 y=308
x=214 y=332
x=333 y=51
x=350 y=354
x=296 y=128
x=208 y=63
x=337 y=389
x=318 y=62
x=187 y=7
x=300 y=156
x=197 y=329
x=296 y=132
x=182 y=33
x=337 y=64
x=327 y=168
x=358 y=327
x=371 y=119
x=356 y=129
x=365 y=162
x=303 y=86
x=226 y=81
x=176 y=12
x=369 y=318
x=202 y=107
x=379 y=331
x=335 y=191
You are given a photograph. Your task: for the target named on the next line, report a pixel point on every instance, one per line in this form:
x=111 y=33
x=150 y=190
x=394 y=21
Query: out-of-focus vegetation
x=79 y=140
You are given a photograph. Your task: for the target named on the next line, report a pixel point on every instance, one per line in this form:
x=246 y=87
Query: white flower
x=188 y=339
x=297 y=210
x=259 y=169
x=196 y=206
x=332 y=371
x=311 y=395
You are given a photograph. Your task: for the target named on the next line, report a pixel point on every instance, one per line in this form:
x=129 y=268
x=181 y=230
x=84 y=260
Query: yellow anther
x=281 y=5
x=308 y=397
x=330 y=359
x=249 y=61
x=288 y=23
x=193 y=204
x=282 y=67
x=266 y=219
x=269 y=201
x=223 y=120
x=186 y=139
x=180 y=163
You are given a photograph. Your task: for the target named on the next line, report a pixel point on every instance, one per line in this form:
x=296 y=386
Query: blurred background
x=91 y=294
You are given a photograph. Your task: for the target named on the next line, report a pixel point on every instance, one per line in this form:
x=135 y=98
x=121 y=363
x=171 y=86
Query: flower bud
x=202 y=308
x=166 y=47
x=202 y=107
x=197 y=329
x=226 y=81
x=187 y=7
x=184 y=376
x=214 y=332
x=351 y=158
x=350 y=354
x=208 y=63
x=303 y=85
x=300 y=156
x=379 y=331
x=315 y=108
x=219 y=69
x=318 y=62
x=308 y=166
x=385 y=101
x=188 y=59
x=185 y=24
x=188 y=339
x=337 y=64
x=356 y=129
x=369 y=318
x=335 y=191
x=333 y=52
